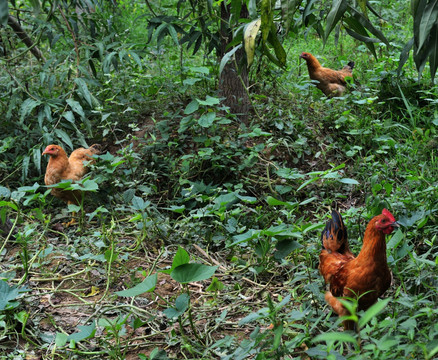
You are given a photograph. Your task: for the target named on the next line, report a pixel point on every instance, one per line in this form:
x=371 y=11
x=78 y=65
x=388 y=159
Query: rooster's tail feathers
x=334 y=236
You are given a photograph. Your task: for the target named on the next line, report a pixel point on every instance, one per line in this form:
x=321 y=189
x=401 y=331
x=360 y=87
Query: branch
x=13 y=23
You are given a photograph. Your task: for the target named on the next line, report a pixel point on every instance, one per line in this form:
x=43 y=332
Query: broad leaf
x=428 y=20
x=207 y=119
x=181 y=305
x=192 y=272
x=336 y=12
x=76 y=107
x=4 y=12
x=64 y=137
x=349 y=181
x=191 y=107
x=181 y=257
x=9 y=295
x=147 y=285
x=227 y=57
x=335 y=336
x=4 y=192
x=83 y=90
x=373 y=311
x=85 y=332
x=285 y=247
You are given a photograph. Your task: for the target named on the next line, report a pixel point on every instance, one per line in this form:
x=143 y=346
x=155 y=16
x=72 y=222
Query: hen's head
x=52 y=150
x=386 y=222
x=305 y=55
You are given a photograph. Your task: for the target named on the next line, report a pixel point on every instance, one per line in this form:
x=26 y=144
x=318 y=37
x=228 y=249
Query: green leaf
x=266 y=17
x=4 y=12
x=85 y=332
x=61 y=339
x=181 y=305
x=147 y=285
x=357 y=30
x=177 y=209
x=136 y=58
x=335 y=336
x=285 y=247
x=10 y=204
x=373 y=311
x=192 y=272
x=395 y=240
x=89 y=185
x=9 y=295
x=215 y=285
x=76 y=107
x=139 y=204
x=366 y=24
x=303 y=185
x=4 y=192
x=280 y=53
x=181 y=257
x=36 y=154
x=209 y=101
x=207 y=119
x=336 y=12
x=83 y=90
x=428 y=20
x=249 y=235
x=191 y=107
x=433 y=57
x=278 y=333
x=274 y=202
x=27 y=107
x=227 y=57
x=349 y=181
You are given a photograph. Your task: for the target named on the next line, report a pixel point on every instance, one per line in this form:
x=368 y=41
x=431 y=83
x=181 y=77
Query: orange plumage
x=348 y=275
x=61 y=167
x=330 y=82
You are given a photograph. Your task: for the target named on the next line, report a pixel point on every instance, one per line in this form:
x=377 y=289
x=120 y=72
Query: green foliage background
x=246 y=201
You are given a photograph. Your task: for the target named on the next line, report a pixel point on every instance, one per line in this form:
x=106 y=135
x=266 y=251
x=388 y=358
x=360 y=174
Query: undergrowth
x=198 y=237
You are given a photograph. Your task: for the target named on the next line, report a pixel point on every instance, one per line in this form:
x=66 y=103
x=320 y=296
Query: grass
x=248 y=202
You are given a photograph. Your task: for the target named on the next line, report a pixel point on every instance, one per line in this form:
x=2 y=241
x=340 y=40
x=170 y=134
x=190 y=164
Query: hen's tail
x=334 y=236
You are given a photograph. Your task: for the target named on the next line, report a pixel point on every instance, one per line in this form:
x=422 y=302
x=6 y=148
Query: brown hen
x=61 y=167
x=330 y=82
x=366 y=275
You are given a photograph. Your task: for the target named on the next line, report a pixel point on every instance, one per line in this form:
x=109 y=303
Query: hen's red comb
x=388 y=215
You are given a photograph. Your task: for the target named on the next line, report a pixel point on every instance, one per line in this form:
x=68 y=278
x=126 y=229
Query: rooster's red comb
x=388 y=215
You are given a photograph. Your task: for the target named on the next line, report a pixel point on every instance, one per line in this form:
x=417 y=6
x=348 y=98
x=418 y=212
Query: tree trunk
x=14 y=24
x=233 y=82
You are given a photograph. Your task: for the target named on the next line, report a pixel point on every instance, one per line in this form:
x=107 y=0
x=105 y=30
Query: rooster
x=330 y=82
x=367 y=275
x=60 y=167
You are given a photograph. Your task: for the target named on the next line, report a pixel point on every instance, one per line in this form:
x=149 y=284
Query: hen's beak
x=395 y=224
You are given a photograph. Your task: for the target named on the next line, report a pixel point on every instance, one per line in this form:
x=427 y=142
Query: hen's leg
x=339 y=309
x=73 y=220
